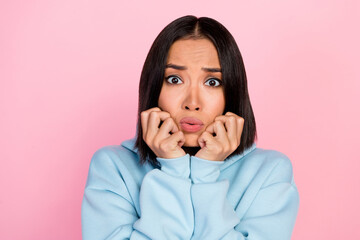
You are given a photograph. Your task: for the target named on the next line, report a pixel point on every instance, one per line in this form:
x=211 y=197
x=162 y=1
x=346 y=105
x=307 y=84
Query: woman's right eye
x=173 y=79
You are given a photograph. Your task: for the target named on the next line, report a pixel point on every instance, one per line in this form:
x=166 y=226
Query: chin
x=191 y=140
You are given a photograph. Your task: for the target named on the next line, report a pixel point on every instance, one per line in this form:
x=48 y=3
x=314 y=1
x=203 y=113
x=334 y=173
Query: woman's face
x=192 y=91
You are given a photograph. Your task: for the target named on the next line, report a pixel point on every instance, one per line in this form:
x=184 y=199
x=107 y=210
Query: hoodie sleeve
x=108 y=211
x=165 y=203
x=271 y=215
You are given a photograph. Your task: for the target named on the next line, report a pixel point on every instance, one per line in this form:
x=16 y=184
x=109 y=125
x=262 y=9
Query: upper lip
x=191 y=120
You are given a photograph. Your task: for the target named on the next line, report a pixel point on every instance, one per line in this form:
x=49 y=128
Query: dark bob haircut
x=233 y=75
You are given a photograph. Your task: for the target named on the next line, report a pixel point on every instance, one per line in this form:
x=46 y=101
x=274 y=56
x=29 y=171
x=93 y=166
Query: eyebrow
x=177 y=67
x=211 y=69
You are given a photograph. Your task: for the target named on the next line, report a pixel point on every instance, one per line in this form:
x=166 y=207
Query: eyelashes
x=173 y=79
x=211 y=82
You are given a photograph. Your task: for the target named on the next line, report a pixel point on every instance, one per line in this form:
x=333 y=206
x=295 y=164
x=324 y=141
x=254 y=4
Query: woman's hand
x=228 y=129
x=159 y=139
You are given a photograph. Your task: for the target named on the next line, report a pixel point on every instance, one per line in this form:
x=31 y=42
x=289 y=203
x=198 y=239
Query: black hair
x=233 y=75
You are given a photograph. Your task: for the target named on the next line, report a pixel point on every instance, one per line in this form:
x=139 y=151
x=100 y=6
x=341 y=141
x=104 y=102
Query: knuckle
x=218 y=123
x=232 y=118
x=152 y=113
x=168 y=121
x=163 y=146
x=179 y=133
x=206 y=134
x=234 y=145
x=144 y=115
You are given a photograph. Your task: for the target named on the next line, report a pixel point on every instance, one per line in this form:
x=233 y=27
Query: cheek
x=167 y=100
x=162 y=98
x=216 y=104
x=220 y=106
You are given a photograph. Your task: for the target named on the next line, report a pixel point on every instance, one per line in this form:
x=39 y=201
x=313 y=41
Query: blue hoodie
x=247 y=196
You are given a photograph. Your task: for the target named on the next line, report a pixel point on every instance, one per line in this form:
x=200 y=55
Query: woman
x=193 y=171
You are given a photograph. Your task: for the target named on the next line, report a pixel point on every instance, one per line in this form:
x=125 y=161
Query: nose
x=192 y=101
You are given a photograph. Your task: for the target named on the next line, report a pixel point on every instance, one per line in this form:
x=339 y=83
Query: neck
x=191 y=150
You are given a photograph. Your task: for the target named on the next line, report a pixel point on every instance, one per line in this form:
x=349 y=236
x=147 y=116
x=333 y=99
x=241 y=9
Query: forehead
x=190 y=51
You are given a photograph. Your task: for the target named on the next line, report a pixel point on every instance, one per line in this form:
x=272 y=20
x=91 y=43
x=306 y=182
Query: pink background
x=69 y=74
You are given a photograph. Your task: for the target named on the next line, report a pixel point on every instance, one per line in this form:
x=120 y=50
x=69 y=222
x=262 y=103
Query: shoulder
x=119 y=155
x=117 y=162
x=268 y=157
x=275 y=166
x=113 y=155
x=263 y=166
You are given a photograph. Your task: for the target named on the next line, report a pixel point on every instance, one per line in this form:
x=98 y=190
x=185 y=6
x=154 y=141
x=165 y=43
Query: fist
x=161 y=133
x=221 y=138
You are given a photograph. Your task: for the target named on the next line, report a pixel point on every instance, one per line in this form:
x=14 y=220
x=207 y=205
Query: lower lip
x=191 y=128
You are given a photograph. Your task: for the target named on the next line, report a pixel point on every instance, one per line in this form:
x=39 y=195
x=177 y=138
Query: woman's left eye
x=213 y=82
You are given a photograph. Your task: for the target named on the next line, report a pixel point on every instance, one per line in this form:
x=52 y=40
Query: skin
x=192 y=91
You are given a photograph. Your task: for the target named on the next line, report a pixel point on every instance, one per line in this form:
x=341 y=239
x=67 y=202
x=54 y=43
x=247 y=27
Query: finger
x=239 y=123
x=205 y=139
x=210 y=129
x=230 y=114
x=221 y=118
x=231 y=125
x=144 y=118
x=240 y=126
x=218 y=129
x=220 y=132
x=155 y=117
x=176 y=139
x=168 y=126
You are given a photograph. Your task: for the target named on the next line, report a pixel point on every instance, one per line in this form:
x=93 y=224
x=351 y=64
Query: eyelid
x=216 y=79
x=172 y=75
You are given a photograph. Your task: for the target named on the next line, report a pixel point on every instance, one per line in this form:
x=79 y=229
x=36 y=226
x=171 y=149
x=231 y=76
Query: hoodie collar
x=230 y=160
x=130 y=144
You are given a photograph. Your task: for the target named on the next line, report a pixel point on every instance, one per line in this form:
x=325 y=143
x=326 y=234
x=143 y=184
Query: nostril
x=196 y=109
